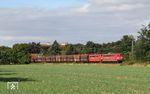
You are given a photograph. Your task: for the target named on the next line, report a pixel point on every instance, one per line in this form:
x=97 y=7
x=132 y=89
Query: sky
x=73 y=21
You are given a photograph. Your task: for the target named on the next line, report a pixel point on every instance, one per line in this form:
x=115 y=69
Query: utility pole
x=132 y=49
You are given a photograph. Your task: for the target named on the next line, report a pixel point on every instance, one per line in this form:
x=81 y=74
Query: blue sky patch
x=50 y=4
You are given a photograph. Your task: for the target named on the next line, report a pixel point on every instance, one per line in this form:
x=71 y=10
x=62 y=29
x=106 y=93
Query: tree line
x=133 y=49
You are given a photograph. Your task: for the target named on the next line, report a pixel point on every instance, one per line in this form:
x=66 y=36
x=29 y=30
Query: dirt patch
x=136 y=64
x=139 y=65
x=148 y=65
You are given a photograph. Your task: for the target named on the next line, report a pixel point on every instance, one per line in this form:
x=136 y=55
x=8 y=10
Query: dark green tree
x=142 y=47
x=78 y=48
x=22 y=54
x=90 y=47
x=54 y=49
x=34 y=47
x=126 y=46
x=126 y=42
x=70 y=50
x=7 y=56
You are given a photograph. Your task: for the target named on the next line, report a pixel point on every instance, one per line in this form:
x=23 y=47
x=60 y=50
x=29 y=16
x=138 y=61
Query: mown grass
x=75 y=79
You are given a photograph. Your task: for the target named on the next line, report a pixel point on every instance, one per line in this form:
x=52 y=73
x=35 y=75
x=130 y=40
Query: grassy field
x=75 y=79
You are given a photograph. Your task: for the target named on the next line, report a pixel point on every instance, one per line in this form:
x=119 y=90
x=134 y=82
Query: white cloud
x=84 y=8
x=96 y=20
x=129 y=6
x=6 y=38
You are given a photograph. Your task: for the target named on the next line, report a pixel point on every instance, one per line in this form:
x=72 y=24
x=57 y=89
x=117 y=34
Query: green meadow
x=75 y=79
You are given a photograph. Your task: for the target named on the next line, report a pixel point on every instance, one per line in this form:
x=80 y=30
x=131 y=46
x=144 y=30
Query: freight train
x=89 y=58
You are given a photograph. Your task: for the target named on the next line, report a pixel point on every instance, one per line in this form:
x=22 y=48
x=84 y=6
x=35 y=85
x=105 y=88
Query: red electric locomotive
x=95 y=58
x=112 y=57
